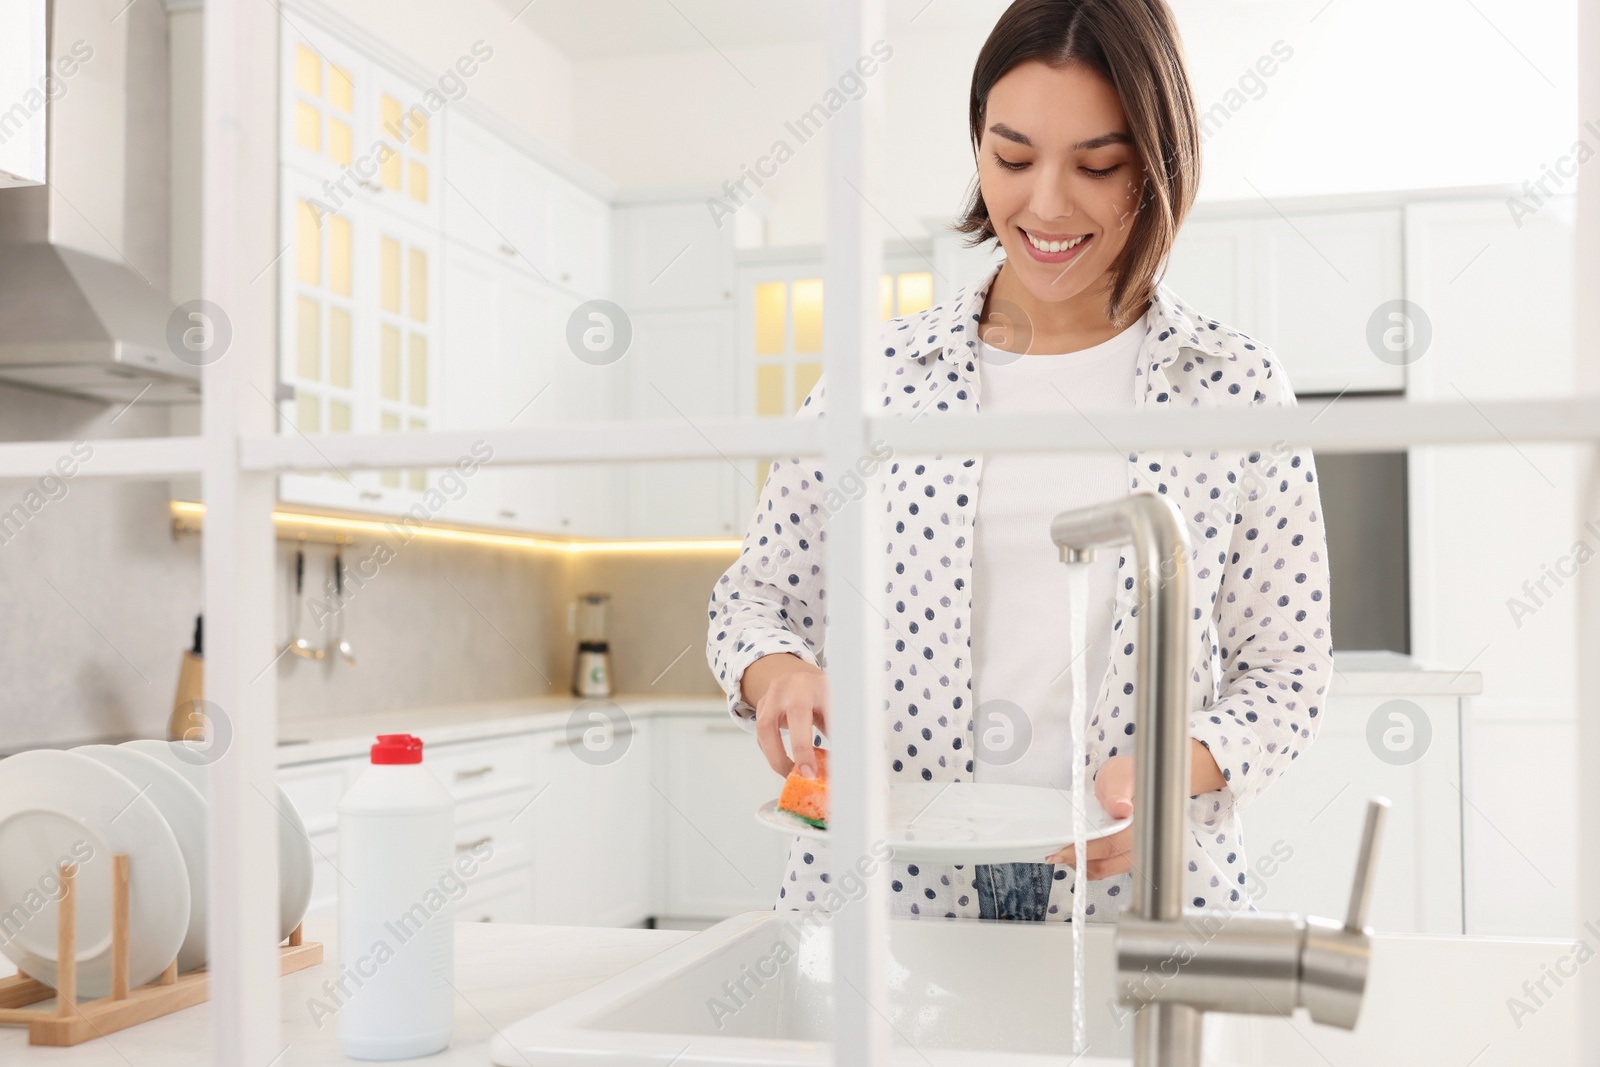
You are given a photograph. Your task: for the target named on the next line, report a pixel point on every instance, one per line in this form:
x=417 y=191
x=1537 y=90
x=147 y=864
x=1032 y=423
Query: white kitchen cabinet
x=671 y=255
x=381 y=334
x=500 y=898
x=1213 y=268
x=513 y=208
x=580 y=254
x=470 y=368
x=476 y=190
x=509 y=363
x=361 y=131
x=358 y=318
x=1305 y=282
x=473 y=770
x=716 y=859
x=1303 y=834
x=682 y=370
x=591 y=827
x=543 y=381
x=314 y=789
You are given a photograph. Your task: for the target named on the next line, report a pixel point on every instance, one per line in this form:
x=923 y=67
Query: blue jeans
x=1013 y=890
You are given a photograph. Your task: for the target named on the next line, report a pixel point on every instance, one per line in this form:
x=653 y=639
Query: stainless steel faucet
x=1259 y=963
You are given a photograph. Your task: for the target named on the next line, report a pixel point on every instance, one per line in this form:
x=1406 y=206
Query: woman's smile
x=1048 y=249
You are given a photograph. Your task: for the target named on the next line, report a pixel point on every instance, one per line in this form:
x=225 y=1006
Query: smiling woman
x=1065 y=182
x=1087 y=150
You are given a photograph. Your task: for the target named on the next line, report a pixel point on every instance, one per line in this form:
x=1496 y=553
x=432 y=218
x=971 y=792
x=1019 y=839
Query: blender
x=586 y=619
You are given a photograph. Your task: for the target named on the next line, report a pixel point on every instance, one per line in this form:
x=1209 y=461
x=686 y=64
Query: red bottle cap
x=397 y=748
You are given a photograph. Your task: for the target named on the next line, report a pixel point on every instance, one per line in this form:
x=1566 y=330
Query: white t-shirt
x=1022 y=680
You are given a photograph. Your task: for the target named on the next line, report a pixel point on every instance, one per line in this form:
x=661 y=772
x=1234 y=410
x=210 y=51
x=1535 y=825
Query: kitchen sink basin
x=954 y=987
x=756 y=990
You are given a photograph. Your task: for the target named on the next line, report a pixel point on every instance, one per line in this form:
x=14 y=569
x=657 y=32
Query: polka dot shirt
x=1260 y=648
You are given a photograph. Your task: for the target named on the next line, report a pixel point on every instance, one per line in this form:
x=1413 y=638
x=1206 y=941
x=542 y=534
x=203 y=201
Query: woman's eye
x=1106 y=173
x=1007 y=164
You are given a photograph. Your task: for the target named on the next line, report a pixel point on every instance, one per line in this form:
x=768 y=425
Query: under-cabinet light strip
x=193 y=512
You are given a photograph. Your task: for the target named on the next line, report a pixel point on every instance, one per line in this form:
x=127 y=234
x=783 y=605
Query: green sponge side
x=820 y=824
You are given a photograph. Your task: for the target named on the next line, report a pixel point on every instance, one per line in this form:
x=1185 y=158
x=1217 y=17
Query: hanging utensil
x=338 y=591
x=298 y=644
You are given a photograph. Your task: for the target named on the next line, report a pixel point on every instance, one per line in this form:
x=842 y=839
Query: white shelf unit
x=239 y=456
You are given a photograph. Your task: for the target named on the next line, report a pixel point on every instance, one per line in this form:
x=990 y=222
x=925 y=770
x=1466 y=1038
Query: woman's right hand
x=788 y=694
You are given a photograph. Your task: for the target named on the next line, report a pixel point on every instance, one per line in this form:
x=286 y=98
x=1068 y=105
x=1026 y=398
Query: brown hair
x=1134 y=45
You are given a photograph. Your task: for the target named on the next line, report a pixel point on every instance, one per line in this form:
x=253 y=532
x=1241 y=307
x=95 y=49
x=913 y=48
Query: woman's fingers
x=796 y=702
x=1113 y=786
x=805 y=754
x=1108 y=868
x=1099 y=850
x=768 y=735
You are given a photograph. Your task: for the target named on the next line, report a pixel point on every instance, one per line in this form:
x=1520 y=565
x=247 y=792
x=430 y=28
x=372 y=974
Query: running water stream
x=1078 y=645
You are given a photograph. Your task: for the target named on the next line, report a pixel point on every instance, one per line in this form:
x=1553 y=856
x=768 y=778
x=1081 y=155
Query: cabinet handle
x=370 y=185
x=508 y=250
x=507 y=513
x=475 y=772
x=487 y=919
x=569 y=742
x=468 y=846
x=368 y=494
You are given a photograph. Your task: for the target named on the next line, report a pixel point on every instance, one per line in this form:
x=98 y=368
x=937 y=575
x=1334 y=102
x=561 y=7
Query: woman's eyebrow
x=1000 y=129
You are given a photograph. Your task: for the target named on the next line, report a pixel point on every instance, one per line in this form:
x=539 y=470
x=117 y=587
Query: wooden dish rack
x=71 y=1023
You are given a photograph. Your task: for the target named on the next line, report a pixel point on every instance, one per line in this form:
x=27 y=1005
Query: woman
x=1087 y=148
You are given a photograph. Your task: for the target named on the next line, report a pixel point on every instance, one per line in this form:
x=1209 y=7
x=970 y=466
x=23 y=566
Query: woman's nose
x=1049 y=201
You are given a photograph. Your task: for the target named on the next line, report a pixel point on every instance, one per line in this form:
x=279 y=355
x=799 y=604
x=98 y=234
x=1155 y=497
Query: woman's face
x=1056 y=165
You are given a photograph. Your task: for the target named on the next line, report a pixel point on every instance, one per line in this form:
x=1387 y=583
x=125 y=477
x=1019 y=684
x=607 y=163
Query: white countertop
x=337 y=737
x=1392 y=674
x=502 y=974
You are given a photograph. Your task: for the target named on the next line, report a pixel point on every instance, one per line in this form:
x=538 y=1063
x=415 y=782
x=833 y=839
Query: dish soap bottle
x=397 y=893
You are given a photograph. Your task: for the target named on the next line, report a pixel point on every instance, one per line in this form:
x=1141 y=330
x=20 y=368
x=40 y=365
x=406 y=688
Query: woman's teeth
x=1054 y=246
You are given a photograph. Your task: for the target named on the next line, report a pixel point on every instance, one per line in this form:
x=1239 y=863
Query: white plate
x=185 y=811
x=969 y=822
x=191 y=760
x=57 y=806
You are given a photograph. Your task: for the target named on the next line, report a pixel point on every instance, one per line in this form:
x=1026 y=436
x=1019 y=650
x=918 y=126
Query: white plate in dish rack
x=193 y=762
x=185 y=811
x=60 y=807
x=970 y=822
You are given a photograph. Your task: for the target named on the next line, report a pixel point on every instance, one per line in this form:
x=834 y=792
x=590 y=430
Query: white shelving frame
x=239 y=456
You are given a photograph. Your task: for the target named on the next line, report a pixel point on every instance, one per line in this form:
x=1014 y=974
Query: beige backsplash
x=450 y=623
x=658 y=610
x=98 y=601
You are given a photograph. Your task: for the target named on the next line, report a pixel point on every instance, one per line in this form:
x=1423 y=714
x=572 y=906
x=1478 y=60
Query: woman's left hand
x=1113 y=788
x=1113 y=855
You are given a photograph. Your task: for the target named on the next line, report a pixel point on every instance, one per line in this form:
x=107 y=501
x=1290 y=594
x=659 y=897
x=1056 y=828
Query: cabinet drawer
x=503 y=898
x=486 y=828
x=483 y=768
x=324 y=875
x=314 y=790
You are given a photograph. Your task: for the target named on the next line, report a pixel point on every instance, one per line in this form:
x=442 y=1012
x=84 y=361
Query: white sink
x=963 y=989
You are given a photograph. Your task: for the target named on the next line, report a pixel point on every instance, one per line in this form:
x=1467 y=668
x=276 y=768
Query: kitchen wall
x=699 y=117
x=447 y=624
x=98 y=598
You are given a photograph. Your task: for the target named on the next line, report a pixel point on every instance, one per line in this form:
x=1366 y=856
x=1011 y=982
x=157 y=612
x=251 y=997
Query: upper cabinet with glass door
x=362 y=131
x=780 y=326
x=359 y=278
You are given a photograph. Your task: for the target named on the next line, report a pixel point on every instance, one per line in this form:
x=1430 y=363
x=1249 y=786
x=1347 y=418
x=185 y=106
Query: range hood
x=84 y=258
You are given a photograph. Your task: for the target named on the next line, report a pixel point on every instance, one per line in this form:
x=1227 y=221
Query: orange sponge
x=807 y=797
